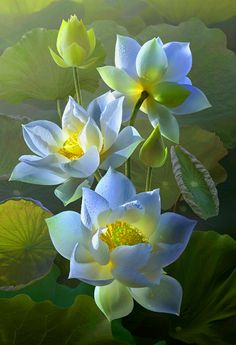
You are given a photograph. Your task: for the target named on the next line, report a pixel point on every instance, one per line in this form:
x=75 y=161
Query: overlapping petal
x=43 y=137
x=126 y=51
x=163 y=298
x=127 y=141
x=74 y=117
x=151 y=61
x=65 y=232
x=116 y=188
x=114 y=300
x=179 y=60
x=91 y=136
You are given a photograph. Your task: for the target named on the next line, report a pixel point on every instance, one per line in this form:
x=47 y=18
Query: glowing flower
x=75 y=44
x=120 y=243
x=158 y=72
x=70 y=155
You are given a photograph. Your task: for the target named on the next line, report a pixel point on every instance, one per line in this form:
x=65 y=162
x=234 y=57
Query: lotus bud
x=153 y=152
x=75 y=44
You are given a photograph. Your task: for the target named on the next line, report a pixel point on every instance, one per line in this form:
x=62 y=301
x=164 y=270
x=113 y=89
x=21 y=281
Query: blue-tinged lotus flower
x=69 y=156
x=120 y=243
x=159 y=71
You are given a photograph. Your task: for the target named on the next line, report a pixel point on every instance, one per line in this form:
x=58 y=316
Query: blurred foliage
x=43 y=323
x=26 y=250
x=209 y=11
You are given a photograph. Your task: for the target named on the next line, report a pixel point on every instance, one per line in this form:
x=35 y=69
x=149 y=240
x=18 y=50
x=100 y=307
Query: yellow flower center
x=71 y=148
x=121 y=233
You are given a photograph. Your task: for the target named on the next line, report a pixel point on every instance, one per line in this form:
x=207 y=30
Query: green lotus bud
x=153 y=152
x=75 y=44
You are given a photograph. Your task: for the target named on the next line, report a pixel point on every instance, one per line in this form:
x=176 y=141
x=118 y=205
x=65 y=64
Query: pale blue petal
x=90 y=272
x=30 y=174
x=43 y=137
x=172 y=236
x=65 y=232
x=195 y=102
x=74 y=116
x=92 y=206
x=84 y=166
x=130 y=212
x=98 y=105
x=128 y=262
x=114 y=300
x=116 y=188
x=128 y=104
x=126 y=143
x=71 y=190
x=159 y=114
x=99 y=249
x=151 y=62
x=151 y=204
x=179 y=60
x=126 y=51
x=110 y=122
x=91 y=136
x=185 y=80
x=163 y=298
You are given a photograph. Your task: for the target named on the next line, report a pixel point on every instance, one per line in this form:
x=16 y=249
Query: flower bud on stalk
x=75 y=44
x=153 y=152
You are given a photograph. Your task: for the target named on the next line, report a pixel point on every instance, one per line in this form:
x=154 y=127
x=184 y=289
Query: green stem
x=148 y=179
x=77 y=85
x=134 y=114
x=176 y=203
x=59 y=109
x=98 y=175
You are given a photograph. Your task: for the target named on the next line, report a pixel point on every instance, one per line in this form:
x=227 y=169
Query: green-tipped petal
x=159 y=114
x=153 y=152
x=151 y=61
x=114 y=300
x=92 y=40
x=74 y=55
x=118 y=80
x=59 y=36
x=170 y=94
x=58 y=60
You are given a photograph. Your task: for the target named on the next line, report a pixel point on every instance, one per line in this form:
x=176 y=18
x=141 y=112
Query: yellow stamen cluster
x=121 y=233
x=71 y=148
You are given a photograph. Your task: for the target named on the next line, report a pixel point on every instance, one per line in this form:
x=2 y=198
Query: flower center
x=71 y=148
x=121 y=233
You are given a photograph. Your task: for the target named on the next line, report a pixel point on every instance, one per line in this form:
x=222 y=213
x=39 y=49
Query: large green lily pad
x=207 y=273
x=26 y=250
x=26 y=322
x=210 y=11
x=206 y=146
x=213 y=71
x=23 y=6
x=28 y=71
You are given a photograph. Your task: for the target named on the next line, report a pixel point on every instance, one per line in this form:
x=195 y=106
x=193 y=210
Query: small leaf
x=26 y=251
x=195 y=183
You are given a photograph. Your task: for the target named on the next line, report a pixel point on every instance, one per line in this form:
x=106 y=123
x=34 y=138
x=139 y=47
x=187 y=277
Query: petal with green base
x=170 y=94
x=26 y=251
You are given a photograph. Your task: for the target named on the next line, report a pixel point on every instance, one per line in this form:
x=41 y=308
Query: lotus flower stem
x=148 y=179
x=59 y=109
x=77 y=85
x=134 y=114
x=98 y=175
